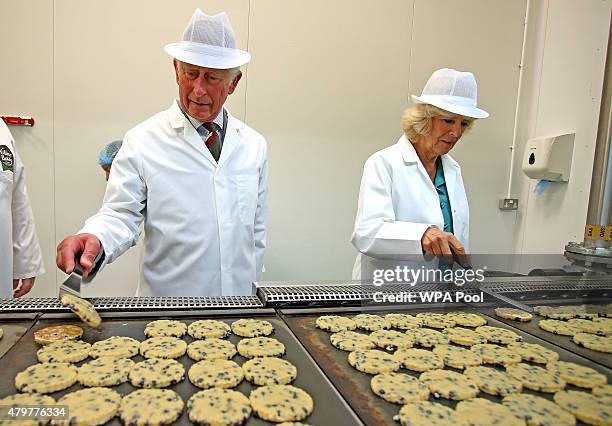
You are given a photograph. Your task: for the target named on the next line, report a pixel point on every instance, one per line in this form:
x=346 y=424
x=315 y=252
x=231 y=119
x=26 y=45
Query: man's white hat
x=209 y=41
x=453 y=91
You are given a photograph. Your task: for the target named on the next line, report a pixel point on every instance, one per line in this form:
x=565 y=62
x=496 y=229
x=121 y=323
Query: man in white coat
x=21 y=258
x=194 y=174
x=412 y=200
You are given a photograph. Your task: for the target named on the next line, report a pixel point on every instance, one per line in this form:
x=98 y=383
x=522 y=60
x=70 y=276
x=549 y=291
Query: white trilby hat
x=453 y=91
x=208 y=41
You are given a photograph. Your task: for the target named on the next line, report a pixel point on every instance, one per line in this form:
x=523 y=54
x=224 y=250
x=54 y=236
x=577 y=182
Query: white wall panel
x=327 y=88
x=566 y=99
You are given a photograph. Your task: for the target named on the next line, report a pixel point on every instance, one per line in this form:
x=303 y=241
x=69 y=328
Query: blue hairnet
x=108 y=153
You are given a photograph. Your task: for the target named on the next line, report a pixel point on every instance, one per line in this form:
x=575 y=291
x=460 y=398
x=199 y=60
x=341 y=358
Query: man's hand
x=25 y=287
x=439 y=243
x=85 y=246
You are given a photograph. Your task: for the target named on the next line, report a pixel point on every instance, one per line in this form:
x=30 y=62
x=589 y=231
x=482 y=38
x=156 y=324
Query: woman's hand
x=439 y=243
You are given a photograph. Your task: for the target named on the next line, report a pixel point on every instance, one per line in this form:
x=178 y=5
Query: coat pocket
x=248 y=188
x=6 y=181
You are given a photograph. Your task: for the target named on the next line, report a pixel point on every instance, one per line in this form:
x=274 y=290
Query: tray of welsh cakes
x=582 y=326
x=432 y=365
x=166 y=368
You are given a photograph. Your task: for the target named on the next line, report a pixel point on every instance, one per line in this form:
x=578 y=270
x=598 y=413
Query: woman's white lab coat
x=20 y=255
x=398 y=202
x=204 y=223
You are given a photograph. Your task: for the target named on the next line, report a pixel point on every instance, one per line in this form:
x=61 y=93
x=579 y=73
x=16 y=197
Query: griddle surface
x=12 y=332
x=355 y=385
x=329 y=407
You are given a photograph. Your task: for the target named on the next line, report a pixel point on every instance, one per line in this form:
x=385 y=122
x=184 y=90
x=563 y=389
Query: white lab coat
x=20 y=256
x=204 y=223
x=398 y=202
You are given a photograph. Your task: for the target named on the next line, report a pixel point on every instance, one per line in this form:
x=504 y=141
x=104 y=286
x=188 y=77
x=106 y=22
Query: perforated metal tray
x=552 y=290
x=346 y=294
x=133 y=303
x=522 y=286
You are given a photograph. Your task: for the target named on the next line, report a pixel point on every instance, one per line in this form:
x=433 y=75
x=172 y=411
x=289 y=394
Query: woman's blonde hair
x=417 y=120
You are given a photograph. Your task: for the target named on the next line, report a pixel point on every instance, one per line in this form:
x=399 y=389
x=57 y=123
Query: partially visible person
x=412 y=200
x=107 y=155
x=20 y=258
x=105 y=160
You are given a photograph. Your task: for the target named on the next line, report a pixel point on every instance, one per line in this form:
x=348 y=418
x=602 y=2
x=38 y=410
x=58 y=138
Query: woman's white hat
x=208 y=41
x=453 y=91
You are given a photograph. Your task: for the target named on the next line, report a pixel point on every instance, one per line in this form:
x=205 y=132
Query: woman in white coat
x=412 y=200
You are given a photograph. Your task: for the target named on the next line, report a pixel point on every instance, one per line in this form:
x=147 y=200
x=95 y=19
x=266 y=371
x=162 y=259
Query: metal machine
x=594 y=254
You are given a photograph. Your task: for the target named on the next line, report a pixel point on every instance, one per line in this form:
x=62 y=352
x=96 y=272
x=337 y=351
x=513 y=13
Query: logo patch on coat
x=6 y=158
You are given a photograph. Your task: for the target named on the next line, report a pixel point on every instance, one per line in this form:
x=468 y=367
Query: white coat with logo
x=398 y=202
x=204 y=223
x=20 y=255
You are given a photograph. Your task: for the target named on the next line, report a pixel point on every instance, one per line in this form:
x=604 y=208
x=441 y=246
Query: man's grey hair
x=233 y=72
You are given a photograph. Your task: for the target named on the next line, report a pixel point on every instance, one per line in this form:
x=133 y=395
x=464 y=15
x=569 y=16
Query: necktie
x=213 y=142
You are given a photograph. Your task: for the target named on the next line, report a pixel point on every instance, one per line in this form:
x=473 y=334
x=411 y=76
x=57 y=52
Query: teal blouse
x=445 y=206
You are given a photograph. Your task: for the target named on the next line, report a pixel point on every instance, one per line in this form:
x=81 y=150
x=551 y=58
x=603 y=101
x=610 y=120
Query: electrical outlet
x=508 y=204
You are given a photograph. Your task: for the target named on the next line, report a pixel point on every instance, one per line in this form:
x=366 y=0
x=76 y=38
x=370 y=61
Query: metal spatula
x=72 y=285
